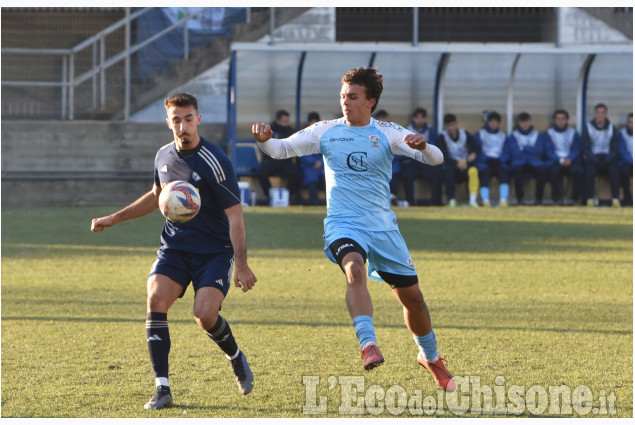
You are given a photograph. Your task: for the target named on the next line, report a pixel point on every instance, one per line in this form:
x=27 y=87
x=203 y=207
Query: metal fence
x=94 y=78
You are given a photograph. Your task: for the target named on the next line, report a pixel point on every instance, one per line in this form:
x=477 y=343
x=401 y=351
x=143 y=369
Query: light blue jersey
x=357 y=166
x=358 y=170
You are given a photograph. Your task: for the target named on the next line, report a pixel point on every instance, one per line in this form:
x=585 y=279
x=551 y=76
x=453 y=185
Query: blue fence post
x=231 y=107
x=298 y=92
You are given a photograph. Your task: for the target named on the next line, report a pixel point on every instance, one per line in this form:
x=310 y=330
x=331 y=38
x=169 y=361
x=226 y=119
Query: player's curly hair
x=181 y=99
x=369 y=78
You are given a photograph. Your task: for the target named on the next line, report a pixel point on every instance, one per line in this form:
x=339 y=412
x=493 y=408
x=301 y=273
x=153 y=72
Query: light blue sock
x=504 y=191
x=427 y=345
x=364 y=329
x=485 y=193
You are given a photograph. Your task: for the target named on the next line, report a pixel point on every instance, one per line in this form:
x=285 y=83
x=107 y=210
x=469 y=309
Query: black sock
x=221 y=334
x=158 y=337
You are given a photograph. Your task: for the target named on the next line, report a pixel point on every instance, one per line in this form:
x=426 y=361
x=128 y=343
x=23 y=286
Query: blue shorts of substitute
x=203 y=270
x=387 y=254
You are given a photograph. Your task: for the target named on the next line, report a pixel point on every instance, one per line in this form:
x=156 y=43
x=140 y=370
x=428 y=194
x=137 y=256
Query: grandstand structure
x=453 y=59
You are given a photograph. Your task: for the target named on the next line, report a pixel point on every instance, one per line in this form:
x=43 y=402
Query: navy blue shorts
x=203 y=270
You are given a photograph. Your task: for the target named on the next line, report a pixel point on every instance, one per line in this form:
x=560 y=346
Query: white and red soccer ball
x=179 y=201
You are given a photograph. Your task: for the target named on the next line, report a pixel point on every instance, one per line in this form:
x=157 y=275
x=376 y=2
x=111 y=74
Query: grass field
x=521 y=299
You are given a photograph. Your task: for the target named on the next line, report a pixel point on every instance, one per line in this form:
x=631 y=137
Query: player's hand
x=415 y=141
x=243 y=276
x=262 y=132
x=99 y=224
x=461 y=164
x=566 y=162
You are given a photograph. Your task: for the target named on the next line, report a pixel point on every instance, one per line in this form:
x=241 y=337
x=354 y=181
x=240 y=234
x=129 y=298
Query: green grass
x=539 y=296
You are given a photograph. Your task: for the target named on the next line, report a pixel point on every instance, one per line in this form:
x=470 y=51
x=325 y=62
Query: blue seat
x=246 y=160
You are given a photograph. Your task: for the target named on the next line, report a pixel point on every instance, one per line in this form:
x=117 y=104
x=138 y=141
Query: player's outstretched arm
x=142 y=206
x=243 y=276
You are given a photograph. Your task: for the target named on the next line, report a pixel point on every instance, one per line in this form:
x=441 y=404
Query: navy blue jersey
x=211 y=172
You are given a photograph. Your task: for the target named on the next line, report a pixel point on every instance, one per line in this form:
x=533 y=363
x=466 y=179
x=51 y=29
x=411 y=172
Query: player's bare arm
x=142 y=206
x=262 y=132
x=243 y=276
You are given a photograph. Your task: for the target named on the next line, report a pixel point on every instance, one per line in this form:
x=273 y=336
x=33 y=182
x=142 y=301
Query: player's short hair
x=313 y=116
x=601 y=105
x=523 y=117
x=369 y=78
x=561 y=111
x=181 y=99
x=381 y=114
x=420 y=111
x=281 y=113
x=493 y=115
x=448 y=118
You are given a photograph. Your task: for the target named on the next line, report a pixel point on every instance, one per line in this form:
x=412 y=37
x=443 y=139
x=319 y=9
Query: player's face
x=284 y=121
x=184 y=121
x=560 y=120
x=524 y=125
x=452 y=128
x=355 y=106
x=493 y=124
x=600 y=115
x=419 y=121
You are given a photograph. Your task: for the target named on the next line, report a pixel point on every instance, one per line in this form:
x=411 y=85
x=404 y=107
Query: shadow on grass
x=316 y=324
x=290 y=230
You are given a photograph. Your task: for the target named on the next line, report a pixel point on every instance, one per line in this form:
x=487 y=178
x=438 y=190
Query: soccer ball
x=179 y=201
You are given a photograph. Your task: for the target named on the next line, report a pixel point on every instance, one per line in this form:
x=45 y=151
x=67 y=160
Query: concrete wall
x=47 y=163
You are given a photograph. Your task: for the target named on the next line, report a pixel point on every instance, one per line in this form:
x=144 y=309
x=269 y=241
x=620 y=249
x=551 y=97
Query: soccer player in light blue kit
x=359 y=226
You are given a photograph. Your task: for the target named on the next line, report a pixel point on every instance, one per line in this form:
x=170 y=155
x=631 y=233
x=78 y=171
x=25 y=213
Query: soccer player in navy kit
x=358 y=151
x=204 y=250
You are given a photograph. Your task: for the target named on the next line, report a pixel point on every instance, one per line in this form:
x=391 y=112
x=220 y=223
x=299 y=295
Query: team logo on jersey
x=410 y=262
x=374 y=138
x=164 y=169
x=195 y=176
x=356 y=161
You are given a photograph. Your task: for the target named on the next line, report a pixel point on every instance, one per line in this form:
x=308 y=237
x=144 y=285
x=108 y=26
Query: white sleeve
x=430 y=155
x=304 y=142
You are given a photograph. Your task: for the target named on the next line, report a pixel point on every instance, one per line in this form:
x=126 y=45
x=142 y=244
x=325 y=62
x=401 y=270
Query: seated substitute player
x=626 y=160
x=562 y=144
x=412 y=169
x=460 y=151
x=600 y=144
x=527 y=156
x=492 y=160
x=203 y=250
x=359 y=225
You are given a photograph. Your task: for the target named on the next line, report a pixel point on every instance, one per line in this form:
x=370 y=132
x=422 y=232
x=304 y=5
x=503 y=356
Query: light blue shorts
x=386 y=250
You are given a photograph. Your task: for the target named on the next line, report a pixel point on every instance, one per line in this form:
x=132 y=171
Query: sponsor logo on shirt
x=356 y=161
x=342 y=139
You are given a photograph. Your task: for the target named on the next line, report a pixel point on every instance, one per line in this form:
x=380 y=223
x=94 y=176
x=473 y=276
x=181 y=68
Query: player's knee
x=354 y=273
x=413 y=301
x=157 y=303
x=205 y=319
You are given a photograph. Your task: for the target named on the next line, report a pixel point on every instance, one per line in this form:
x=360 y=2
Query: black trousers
x=412 y=169
x=540 y=173
x=284 y=168
x=600 y=165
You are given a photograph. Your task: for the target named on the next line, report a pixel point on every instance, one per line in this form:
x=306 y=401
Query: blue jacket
x=526 y=147
x=565 y=145
x=626 y=142
x=310 y=174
